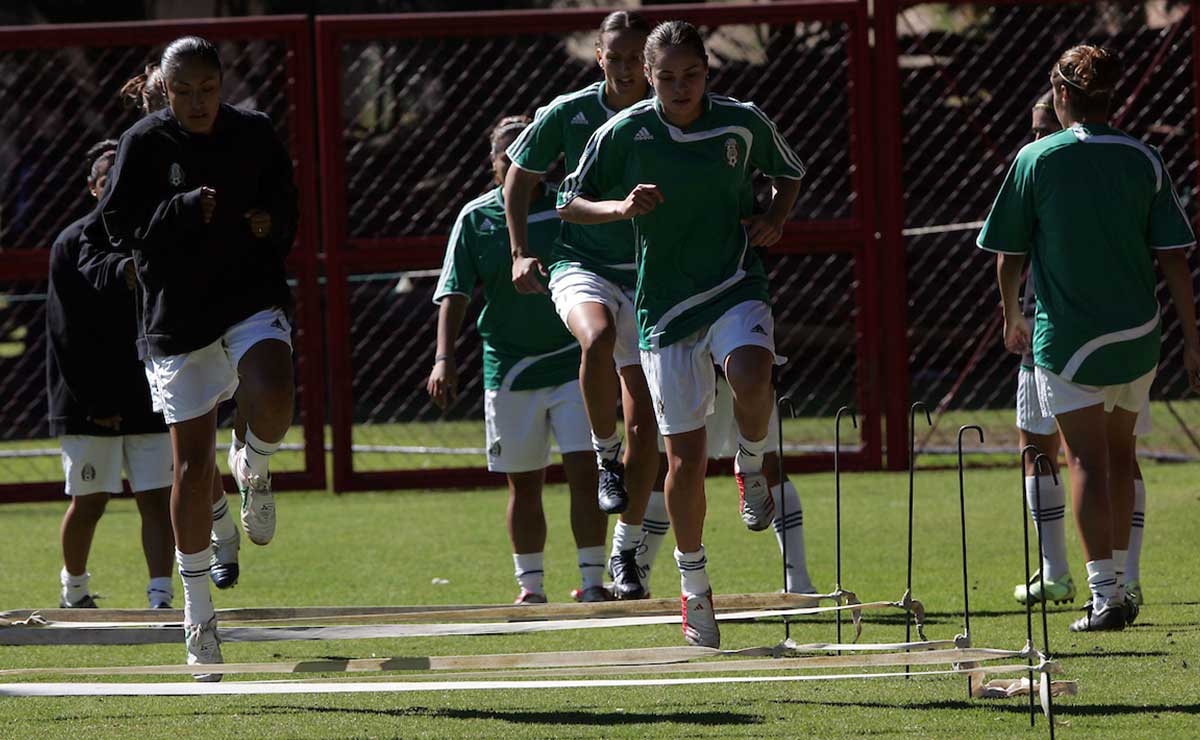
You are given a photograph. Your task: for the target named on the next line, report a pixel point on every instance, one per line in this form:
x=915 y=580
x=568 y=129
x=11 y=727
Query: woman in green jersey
x=1091 y=205
x=592 y=279
x=529 y=367
x=681 y=167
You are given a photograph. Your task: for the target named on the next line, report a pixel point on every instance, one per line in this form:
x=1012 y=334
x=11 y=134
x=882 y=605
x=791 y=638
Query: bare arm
x=443 y=379
x=765 y=229
x=1178 y=275
x=1016 y=329
x=527 y=270
x=641 y=200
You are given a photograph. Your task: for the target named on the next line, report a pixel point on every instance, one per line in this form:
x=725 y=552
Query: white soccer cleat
x=258 y=503
x=700 y=621
x=203 y=647
x=757 y=506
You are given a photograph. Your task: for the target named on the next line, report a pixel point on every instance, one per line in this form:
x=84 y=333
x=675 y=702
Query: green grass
x=386 y=548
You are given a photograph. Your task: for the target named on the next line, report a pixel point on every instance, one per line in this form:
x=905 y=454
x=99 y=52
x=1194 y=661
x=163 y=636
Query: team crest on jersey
x=89 y=472
x=175 y=176
x=731 y=152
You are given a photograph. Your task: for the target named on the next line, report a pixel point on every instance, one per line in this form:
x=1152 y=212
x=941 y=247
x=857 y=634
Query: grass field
x=388 y=548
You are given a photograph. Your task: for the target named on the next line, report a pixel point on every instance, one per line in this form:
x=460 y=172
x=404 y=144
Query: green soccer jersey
x=563 y=128
x=1090 y=203
x=525 y=345
x=693 y=255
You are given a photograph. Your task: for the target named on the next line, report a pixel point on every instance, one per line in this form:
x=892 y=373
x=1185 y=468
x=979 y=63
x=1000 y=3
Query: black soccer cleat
x=87 y=602
x=1130 y=608
x=613 y=497
x=224 y=575
x=1109 y=619
x=627 y=577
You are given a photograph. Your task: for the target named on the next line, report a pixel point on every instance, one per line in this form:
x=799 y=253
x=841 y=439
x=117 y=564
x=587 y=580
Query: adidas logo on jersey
x=579 y=119
x=487 y=225
x=643 y=135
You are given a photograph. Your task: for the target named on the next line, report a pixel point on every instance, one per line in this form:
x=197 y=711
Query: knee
x=691 y=468
x=598 y=341
x=749 y=375
x=89 y=508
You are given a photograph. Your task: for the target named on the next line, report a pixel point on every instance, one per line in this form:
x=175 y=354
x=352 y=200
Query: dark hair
x=1045 y=101
x=100 y=153
x=1092 y=73
x=622 y=20
x=505 y=126
x=674 y=33
x=145 y=91
x=188 y=47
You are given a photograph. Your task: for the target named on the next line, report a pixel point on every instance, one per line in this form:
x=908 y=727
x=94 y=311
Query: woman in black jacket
x=202 y=196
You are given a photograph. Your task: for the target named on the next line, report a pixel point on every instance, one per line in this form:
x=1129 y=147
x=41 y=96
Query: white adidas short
x=519 y=424
x=721 y=426
x=681 y=377
x=1031 y=419
x=93 y=464
x=190 y=385
x=1059 y=396
x=571 y=286
x=1029 y=410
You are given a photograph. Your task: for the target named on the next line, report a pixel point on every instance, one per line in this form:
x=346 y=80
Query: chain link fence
x=969 y=77
x=56 y=101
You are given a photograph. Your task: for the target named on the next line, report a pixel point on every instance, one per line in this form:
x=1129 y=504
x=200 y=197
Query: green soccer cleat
x=1134 y=589
x=1061 y=591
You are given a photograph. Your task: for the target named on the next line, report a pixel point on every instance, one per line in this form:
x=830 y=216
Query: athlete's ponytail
x=1091 y=74
x=145 y=91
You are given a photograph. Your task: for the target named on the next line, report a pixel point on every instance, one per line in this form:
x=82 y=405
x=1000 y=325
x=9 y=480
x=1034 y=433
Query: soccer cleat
x=1130 y=607
x=592 y=594
x=1109 y=619
x=700 y=621
x=225 y=571
x=258 y=503
x=159 y=599
x=203 y=647
x=757 y=505
x=87 y=602
x=529 y=597
x=613 y=497
x=1061 y=591
x=1134 y=589
x=627 y=577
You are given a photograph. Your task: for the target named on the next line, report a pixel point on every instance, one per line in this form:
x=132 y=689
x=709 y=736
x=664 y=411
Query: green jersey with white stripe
x=525 y=345
x=562 y=128
x=694 y=258
x=1090 y=203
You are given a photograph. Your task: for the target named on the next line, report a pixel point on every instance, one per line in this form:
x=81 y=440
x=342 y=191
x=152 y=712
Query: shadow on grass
x=576 y=717
x=1109 y=654
x=1066 y=708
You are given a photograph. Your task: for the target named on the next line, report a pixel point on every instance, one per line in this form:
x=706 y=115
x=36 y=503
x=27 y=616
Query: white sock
x=224 y=528
x=1102 y=580
x=607 y=449
x=655 y=525
x=591 y=565
x=74 y=588
x=1051 y=522
x=197 y=599
x=693 y=576
x=160 y=592
x=258 y=453
x=1118 y=559
x=1133 y=563
x=528 y=569
x=235 y=444
x=789 y=516
x=626 y=537
x=749 y=457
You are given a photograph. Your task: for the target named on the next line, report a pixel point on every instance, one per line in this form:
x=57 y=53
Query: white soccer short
x=1031 y=419
x=93 y=464
x=190 y=385
x=519 y=424
x=1059 y=396
x=721 y=426
x=571 y=286
x=681 y=377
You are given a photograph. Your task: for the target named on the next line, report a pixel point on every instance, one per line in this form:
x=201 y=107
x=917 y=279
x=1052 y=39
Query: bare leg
x=78 y=528
x=158 y=541
x=593 y=326
x=588 y=523
x=1085 y=433
x=687 y=462
x=641 y=442
x=1122 y=467
x=267 y=391
x=526 y=519
x=748 y=370
x=191 y=493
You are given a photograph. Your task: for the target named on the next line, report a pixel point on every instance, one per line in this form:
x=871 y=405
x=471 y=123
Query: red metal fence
x=907 y=121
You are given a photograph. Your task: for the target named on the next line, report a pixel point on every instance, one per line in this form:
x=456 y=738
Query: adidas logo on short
x=277 y=324
x=579 y=119
x=643 y=135
x=758 y=330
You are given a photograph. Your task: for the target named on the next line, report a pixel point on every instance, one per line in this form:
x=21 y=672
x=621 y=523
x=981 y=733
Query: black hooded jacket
x=196 y=280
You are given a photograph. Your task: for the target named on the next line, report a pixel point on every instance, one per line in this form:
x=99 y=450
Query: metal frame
x=294 y=31
x=344 y=256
